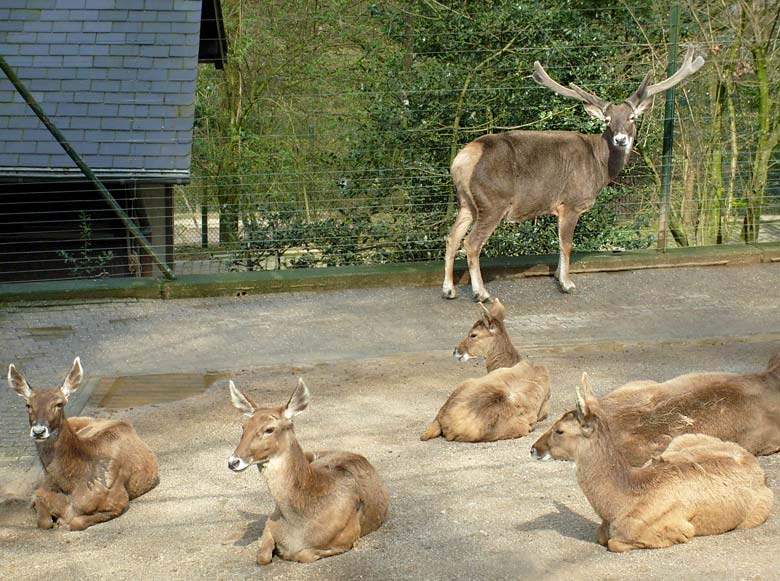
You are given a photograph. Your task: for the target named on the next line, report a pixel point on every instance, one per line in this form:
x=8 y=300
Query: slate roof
x=116 y=76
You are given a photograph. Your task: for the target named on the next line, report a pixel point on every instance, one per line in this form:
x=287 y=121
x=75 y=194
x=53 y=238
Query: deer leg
x=483 y=228
x=603 y=533
x=567 y=220
x=265 y=550
x=113 y=504
x=458 y=231
x=50 y=505
x=342 y=543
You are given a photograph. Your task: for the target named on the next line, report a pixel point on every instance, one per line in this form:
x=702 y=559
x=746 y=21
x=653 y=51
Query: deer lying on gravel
x=518 y=175
x=645 y=415
x=489 y=338
x=699 y=485
x=505 y=403
x=324 y=501
x=92 y=467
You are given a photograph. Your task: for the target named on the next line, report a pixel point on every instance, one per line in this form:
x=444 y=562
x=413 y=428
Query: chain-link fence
x=327 y=138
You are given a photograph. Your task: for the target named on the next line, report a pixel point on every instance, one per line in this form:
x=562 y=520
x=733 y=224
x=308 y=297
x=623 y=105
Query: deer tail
x=433 y=431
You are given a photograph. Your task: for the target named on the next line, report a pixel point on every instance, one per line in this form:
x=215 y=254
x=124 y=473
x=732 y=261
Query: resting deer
x=699 y=485
x=324 y=501
x=489 y=338
x=518 y=175
x=92 y=468
x=741 y=408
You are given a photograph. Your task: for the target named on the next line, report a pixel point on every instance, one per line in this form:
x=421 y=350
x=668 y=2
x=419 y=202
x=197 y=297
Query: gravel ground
x=467 y=511
x=378 y=364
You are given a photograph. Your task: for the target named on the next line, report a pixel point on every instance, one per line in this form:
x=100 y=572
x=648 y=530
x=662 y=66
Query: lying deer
x=699 y=485
x=324 y=501
x=505 y=403
x=92 y=467
x=489 y=338
x=518 y=175
x=741 y=408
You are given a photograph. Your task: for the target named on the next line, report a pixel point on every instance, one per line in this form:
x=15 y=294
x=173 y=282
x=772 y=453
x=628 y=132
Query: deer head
x=266 y=430
x=621 y=118
x=46 y=407
x=560 y=441
x=479 y=340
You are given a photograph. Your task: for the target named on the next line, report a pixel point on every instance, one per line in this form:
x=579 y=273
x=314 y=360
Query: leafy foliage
x=86 y=262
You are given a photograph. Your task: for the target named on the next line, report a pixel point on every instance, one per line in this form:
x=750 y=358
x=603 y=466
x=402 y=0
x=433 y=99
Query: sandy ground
x=458 y=511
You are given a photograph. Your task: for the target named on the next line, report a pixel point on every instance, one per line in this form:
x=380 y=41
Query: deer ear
x=18 y=383
x=299 y=401
x=595 y=111
x=73 y=379
x=584 y=412
x=484 y=313
x=240 y=401
x=497 y=310
x=643 y=106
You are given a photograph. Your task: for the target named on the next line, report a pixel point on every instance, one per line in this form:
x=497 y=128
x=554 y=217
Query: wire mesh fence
x=327 y=139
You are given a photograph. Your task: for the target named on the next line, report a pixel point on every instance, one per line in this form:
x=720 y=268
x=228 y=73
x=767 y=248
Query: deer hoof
x=449 y=293
x=481 y=297
x=568 y=288
x=45 y=522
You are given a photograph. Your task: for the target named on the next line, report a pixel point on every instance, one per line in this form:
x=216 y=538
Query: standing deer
x=518 y=175
x=324 y=501
x=699 y=485
x=92 y=468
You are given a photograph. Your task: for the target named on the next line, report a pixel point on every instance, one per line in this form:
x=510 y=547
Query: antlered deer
x=645 y=415
x=489 y=338
x=324 y=501
x=699 y=485
x=92 y=467
x=517 y=175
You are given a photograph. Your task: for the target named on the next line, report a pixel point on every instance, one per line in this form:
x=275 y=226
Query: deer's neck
x=613 y=159
x=290 y=478
x=63 y=455
x=502 y=353
x=603 y=474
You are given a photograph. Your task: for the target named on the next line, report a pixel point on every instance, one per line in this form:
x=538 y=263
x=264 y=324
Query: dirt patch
x=468 y=511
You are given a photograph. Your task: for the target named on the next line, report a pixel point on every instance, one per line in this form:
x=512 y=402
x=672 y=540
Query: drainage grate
x=135 y=390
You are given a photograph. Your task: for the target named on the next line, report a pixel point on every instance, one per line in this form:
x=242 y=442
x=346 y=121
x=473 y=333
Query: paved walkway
x=729 y=304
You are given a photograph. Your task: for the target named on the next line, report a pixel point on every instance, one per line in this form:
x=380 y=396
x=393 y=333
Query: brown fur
x=92 y=467
x=506 y=403
x=741 y=408
x=518 y=175
x=699 y=485
x=325 y=501
x=489 y=338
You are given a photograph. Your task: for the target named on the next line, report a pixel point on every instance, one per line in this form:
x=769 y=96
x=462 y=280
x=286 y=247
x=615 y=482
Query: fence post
x=85 y=169
x=668 y=142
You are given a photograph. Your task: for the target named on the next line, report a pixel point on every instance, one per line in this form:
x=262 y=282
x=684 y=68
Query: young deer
x=505 y=403
x=699 y=485
x=489 y=338
x=645 y=415
x=92 y=468
x=324 y=501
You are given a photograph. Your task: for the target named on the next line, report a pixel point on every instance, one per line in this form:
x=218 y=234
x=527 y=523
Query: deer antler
x=575 y=92
x=687 y=68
